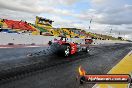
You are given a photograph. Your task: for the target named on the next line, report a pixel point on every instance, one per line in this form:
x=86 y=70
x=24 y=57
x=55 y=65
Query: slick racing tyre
x=66 y=50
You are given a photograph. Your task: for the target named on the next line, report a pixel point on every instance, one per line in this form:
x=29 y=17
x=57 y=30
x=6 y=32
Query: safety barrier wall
x=97 y=42
x=6 y=38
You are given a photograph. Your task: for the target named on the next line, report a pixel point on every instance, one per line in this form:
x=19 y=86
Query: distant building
x=43 y=22
x=73 y=29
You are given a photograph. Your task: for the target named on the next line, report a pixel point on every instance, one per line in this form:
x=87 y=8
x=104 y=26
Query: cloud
x=57 y=2
x=109 y=15
x=14 y=6
x=17 y=15
x=65 y=13
x=129 y=27
x=98 y=1
x=35 y=6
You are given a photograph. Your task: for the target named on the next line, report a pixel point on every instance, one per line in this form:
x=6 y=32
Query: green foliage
x=1 y=24
x=40 y=28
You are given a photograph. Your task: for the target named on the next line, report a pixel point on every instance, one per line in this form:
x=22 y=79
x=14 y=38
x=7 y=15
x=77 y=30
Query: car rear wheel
x=66 y=51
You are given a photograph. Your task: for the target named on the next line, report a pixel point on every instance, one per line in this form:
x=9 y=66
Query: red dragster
x=66 y=46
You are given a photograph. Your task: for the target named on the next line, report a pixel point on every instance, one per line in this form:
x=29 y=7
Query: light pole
x=90 y=22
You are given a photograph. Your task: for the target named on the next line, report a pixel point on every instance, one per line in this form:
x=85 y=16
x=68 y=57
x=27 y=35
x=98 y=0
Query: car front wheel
x=87 y=49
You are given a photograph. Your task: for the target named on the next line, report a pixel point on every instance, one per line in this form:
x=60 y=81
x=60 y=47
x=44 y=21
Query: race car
x=68 y=46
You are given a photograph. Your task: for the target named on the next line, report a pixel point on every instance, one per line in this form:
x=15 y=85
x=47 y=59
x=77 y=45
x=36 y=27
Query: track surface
x=51 y=71
x=17 y=53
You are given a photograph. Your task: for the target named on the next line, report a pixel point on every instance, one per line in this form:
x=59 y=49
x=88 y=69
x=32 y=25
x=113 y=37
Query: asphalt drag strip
x=58 y=72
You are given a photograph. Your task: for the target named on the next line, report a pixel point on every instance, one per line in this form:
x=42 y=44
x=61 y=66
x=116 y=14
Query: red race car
x=68 y=46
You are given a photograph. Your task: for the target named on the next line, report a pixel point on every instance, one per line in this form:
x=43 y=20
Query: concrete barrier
x=97 y=42
x=6 y=38
x=11 y=38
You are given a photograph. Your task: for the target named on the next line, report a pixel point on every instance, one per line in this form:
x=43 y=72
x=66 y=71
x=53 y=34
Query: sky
x=105 y=14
